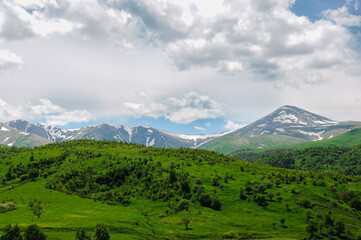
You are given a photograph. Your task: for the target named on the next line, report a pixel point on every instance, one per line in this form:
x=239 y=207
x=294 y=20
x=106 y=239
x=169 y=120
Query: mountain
x=349 y=139
x=287 y=125
x=12 y=137
x=130 y=134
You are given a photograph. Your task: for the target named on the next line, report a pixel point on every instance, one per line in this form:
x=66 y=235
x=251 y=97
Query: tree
x=81 y=234
x=270 y=195
x=186 y=222
x=242 y=195
x=312 y=228
x=216 y=204
x=11 y=233
x=172 y=176
x=182 y=205
x=340 y=227
x=283 y=222
x=328 y=220
x=33 y=232
x=102 y=232
x=261 y=200
x=37 y=209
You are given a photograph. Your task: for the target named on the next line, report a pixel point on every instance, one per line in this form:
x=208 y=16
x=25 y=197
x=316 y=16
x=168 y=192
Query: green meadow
x=151 y=193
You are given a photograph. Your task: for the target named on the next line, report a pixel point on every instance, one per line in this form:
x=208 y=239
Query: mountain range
x=130 y=134
x=286 y=125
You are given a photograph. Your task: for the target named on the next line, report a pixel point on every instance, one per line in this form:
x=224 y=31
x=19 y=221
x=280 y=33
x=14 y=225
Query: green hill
x=350 y=138
x=230 y=143
x=150 y=193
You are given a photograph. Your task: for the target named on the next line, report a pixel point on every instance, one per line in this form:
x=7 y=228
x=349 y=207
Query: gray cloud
x=191 y=107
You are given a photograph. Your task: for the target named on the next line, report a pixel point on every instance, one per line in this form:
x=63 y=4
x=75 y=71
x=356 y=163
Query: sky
x=186 y=66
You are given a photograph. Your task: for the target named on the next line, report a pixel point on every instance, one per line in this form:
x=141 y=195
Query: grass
x=231 y=143
x=64 y=213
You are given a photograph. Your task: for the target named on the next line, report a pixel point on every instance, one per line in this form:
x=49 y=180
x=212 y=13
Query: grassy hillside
x=350 y=138
x=347 y=139
x=231 y=143
x=149 y=193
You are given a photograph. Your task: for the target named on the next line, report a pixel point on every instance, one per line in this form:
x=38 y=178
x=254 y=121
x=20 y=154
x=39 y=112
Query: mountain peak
x=285 y=117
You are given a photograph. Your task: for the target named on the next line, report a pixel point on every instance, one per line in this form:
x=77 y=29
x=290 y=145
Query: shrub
x=102 y=232
x=304 y=203
x=33 y=232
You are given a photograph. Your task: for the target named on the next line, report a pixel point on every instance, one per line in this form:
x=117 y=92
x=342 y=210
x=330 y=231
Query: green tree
x=186 y=222
x=33 y=232
x=270 y=195
x=216 y=204
x=102 y=232
x=172 y=176
x=328 y=220
x=312 y=228
x=339 y=227
x=242 y=195
x=283 y=221
x=11 y=233
x=37 y=209
x=81 y=234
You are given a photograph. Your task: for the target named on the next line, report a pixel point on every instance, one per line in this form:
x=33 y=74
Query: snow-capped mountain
x=12 y=137
x=292 y=121
x=286 y=126
x=131 y=134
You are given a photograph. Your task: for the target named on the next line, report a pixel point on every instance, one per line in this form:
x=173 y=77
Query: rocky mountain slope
x=130 y=134
x=287 y=125
x=12 y=137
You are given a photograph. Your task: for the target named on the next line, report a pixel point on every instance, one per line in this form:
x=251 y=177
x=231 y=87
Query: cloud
x=342 y=17
x=64 y=118
x=46 y=112
x=233 y=126
x=199 y=128
x=264 y=38
x=7 y=112
x=261 y=37
x=56 y=115
x=191 y=107
x=20 y=20
x=9 y=60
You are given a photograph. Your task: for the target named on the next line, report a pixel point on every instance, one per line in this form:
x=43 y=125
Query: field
x=138 y=208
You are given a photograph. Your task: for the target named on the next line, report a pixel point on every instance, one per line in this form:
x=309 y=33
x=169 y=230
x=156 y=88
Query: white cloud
x=266 y=39
x=45 y=111
x=9 y=60
x=64 y=118
x=233 y=126
x=7 y=112
x=199 y=128
x=46 y=107
x=261 y=37
x=191 y=107
x=343 y=17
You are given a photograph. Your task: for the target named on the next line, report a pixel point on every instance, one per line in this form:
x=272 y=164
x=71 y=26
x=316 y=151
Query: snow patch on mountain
x=4 y=129
x=316 y=134
x=286 y=118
